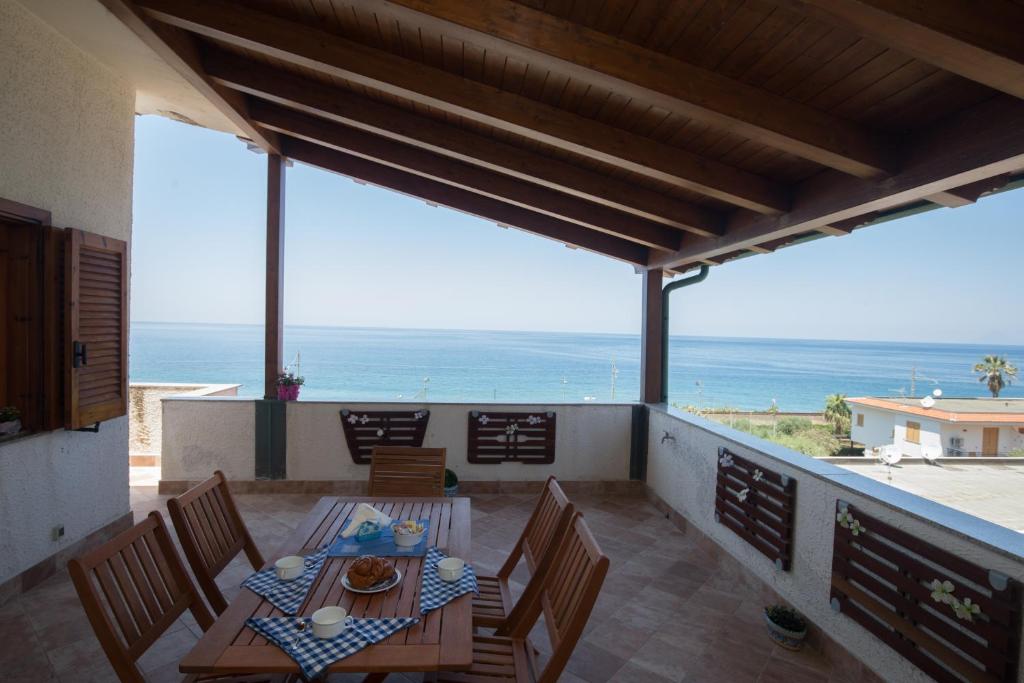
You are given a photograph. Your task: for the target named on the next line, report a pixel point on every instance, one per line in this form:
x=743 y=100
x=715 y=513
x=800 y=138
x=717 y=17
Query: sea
x=370 y=364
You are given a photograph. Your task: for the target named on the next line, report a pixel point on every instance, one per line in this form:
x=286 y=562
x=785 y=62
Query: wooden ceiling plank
x=179 y=50
x=446 y=170
x=312 y=47
x=981 y=143
x=980 y=41
x=653 y=78
x=463 y=200
x=399 y=124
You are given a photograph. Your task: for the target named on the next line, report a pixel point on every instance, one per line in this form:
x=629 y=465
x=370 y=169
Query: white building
x=950 y=426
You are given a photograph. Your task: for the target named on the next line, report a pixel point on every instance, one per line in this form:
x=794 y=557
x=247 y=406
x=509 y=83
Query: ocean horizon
x=394 y=364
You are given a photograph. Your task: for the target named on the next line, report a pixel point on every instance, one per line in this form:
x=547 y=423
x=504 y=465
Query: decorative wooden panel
x=954 y=620
x=365 y=429
x=757 y=504
x=511 y=437
x=97 y=328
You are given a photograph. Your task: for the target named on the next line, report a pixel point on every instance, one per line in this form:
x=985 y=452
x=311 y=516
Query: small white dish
x=407 y=540
x=450 y=569
x=329 y=622
x=290 y=568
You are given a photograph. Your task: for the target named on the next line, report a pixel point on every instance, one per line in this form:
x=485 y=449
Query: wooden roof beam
x=566 y=47
x=980 y=41
x=463 y=200
x=179 y=50
x=320 y=50
x=968 y=194
x=983 y=142
x=314 y=97
x=452 y=172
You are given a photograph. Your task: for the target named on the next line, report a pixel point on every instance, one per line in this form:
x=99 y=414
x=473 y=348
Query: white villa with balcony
x=951 y=427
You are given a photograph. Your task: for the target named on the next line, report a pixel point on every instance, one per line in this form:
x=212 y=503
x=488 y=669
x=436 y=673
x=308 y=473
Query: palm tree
x=837 y=412
x=993 y=369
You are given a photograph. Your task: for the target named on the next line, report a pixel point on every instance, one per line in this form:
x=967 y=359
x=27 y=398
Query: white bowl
x=329 y=622
x=450 y=569
x=290 y=568
x=406 y=540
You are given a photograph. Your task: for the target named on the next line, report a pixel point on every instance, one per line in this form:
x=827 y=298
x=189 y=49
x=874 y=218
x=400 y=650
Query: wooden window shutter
x=96 y=321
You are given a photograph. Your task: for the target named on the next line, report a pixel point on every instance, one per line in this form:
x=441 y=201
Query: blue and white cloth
x=287 y=596
x=434 y=592
x=313 y=654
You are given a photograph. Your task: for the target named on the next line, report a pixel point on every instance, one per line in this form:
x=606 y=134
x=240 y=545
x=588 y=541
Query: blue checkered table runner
x=287 y=596
x=434 y=592
x=313 y=654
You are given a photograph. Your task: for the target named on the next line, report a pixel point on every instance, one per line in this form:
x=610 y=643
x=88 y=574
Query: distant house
x=949 y=426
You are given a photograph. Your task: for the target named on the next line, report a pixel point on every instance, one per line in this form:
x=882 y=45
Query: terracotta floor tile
x=593 y=664
x=780 y=671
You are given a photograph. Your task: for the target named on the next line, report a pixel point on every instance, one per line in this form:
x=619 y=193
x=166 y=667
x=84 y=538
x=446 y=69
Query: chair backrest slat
x=566 y=596
x=407 y=471
x=544 y=523
x=212 y=533
x=133 y=588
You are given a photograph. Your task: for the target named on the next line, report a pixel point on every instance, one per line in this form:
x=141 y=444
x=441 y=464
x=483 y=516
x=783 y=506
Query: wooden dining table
x=441 y=641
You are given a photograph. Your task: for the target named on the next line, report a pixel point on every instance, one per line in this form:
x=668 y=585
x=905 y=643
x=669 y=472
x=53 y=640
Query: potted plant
x=288 y=386
x=785 y=626
x=10 y=420
x=451 y=483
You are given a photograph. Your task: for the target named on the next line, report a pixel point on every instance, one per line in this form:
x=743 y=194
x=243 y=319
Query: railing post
x=651 y=338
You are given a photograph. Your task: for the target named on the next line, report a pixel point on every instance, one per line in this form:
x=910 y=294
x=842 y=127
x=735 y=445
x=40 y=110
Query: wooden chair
x=566 y=597
x=548 y=523
x=406 y=471
x=211 y=533
x=134 y=588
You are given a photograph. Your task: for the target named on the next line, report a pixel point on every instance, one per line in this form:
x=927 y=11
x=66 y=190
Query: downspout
x=669 y=288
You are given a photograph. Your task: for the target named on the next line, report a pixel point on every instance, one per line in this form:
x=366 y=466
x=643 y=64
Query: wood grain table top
x=441 y=641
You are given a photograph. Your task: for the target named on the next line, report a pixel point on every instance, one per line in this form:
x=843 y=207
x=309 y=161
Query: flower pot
x=288 y=392
x=451 y=491
x=791 y=640
x=10 y=427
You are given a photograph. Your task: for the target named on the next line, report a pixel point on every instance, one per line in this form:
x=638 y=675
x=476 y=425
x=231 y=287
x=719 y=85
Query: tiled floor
x=665 y=613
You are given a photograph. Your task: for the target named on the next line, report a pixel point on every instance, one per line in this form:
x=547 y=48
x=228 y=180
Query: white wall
x=683 y=473
x=200 y=435
x=66 y=145
x=930 y=436
x=972 y=435
x=877 y=429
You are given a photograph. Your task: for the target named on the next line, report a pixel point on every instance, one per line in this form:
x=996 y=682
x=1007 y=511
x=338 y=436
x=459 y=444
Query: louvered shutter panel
x=97 y=328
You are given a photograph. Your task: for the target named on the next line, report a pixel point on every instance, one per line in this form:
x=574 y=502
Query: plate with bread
x=371 y=574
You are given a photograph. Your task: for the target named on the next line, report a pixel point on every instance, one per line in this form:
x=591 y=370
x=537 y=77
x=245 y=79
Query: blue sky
x=362 y=256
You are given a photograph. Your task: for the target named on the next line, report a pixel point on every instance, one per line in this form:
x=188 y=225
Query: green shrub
x=793 y=425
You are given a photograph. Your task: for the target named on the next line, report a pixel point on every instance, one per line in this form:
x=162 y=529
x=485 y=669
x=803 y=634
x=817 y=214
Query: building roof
x=977 y=410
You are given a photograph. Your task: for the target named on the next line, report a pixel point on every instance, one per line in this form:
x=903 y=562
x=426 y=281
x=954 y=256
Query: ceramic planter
x=287 y=392
x=791 y=640
x=451 y=491
x=10 y=427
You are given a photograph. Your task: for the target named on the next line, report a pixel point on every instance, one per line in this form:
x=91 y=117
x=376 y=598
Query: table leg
x=375 y=678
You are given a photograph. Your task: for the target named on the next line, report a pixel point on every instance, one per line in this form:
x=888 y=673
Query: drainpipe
x=669 y=288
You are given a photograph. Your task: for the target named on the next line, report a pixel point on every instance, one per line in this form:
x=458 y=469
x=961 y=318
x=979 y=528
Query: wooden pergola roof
x=664 y=133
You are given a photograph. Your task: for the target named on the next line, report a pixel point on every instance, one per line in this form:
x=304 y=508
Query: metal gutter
x=701 y=275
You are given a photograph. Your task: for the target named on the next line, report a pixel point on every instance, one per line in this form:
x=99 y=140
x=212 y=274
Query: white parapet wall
x=682 y=470
x=204 y=434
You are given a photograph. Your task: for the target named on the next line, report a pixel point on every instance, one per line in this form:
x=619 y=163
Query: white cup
x=329 y=622
x=450 y=569
x=290 y=568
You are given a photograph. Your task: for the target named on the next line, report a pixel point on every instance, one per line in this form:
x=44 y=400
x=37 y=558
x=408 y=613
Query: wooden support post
x=650 y=339
x=274 y=325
